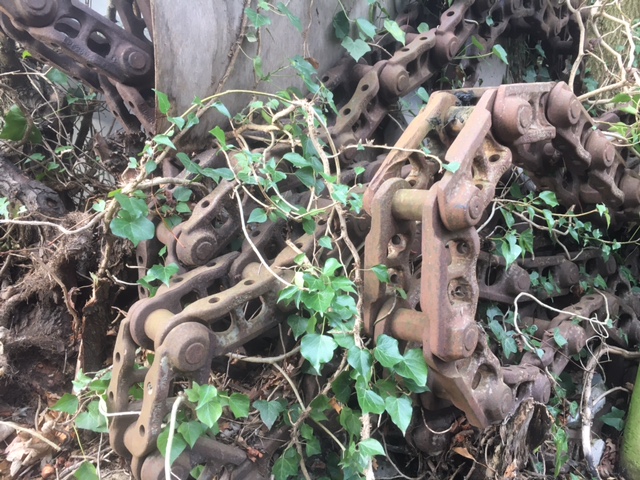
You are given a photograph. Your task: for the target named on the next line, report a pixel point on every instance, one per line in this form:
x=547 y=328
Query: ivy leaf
x=549 y=198
x=370 y=401
x=361 y=361
x=367 y=28
x=164 y=140
x=312 y=442
x=178 y=445
x=68 y=403
x=92 y=419
x=163 y=102
x=394 y=29
x=400 y=410
x=191 y=431
x=209 y=411
x=341 y=25
x=295 y=21
x=239 y=405
x=87 y=471
x=356 y=48
x=15 y=127
x=615 y=418
x=256 y=19
x=558 y=338
x=452 y=167
x=258 y=215
x=413 y=366
x=423 y=28
x=287 y=465
x=136 y=229
x=318 y=349
x=510 y=249
x=500 y=52
x=269 y=411
x=350 y=421
x=387 y=352
x=371 y=447
x=381 y=272
x=162 y=273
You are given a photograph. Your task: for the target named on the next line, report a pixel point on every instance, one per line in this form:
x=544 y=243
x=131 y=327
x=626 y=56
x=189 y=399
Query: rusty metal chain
x=422 y=225
x=114 y=60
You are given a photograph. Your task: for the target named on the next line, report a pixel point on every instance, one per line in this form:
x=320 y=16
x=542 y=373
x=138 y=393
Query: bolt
x=195 y=353
x=204 y=251
x=525 y=116
x=475 y=207
x=137 y=60
x=574 y=110
x=402 y=82
x=36 y=4
x=470 y=338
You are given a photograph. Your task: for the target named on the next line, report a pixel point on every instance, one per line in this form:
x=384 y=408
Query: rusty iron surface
x=422 y=222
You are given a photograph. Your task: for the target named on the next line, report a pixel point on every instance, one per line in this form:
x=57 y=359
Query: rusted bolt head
x=195 y=353
x=402 y=82
x=204 y=251
x=36 y=4
x=574 y=111
x=136 y=60
x=38 y=13
x=525 y=116
x=475 y=207
x=470 y=338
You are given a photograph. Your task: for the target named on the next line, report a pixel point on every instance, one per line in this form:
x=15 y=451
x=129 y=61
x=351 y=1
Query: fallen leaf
x=464 y=453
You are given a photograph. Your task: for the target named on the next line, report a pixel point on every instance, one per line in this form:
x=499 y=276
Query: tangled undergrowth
x=75 y=201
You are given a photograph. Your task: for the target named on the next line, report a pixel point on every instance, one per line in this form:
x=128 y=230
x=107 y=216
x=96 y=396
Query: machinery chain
x=113 y=60
x=422 y=221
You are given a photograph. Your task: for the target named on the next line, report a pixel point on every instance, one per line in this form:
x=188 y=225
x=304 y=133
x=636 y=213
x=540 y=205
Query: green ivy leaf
x=317 y=349
x=381 y=272
x=269 y=411
x=400 y=410
x=387 y=352
x=87 y=471
x=258 y=215
x=178 y=445
x=164 y=140
x=163 y=102
x=15 y=127
x=239 y=405
x=312 y=442
x=423 y=28
x=287 y=465
x=68 y=403
x=92 y=419
x=341 y=25
x=370 y=401
x=371 y=447
x=356 y=48
x=500 y=52
x=615 y=418
x=549 y=198
x=413 y=366
x=558 y=338
x=136 y=229
x=257 y=20
x=192 y=431
x=163 y=273
x=394 y=29
x=361 y=361
x=367 y=28
x=295 y=21
x=351 y=422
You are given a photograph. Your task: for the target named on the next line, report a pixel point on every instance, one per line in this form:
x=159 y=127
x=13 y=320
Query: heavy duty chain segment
x=422 y=222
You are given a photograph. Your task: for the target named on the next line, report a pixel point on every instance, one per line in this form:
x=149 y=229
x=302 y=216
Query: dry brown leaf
x=335 y=405
x=463 y=452
x=5 y=431
x=25 y=451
